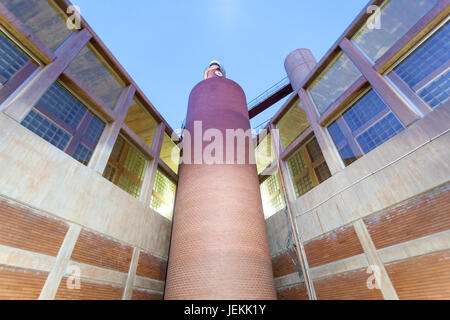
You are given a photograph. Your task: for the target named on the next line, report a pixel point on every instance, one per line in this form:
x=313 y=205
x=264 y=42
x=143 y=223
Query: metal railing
x=266 y=94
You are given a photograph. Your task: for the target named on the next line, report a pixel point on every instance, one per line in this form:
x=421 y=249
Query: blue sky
x=165 y=45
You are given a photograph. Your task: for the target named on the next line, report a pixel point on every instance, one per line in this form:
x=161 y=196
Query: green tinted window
x=272 y=196
x=264 y=154
x=292 y=124
x=163 y=195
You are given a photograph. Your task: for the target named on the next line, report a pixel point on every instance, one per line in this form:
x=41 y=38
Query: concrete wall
x=398 y=196
x=120 y=245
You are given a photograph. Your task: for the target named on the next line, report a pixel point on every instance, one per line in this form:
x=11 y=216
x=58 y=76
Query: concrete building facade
x=354 y=182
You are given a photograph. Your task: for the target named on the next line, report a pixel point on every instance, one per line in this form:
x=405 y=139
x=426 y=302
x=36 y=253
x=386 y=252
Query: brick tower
x=219 y=247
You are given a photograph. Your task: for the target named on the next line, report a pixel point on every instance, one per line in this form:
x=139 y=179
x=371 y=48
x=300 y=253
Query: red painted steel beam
x=270 y=101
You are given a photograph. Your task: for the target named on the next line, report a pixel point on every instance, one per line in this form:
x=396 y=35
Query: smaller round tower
x=298 y=65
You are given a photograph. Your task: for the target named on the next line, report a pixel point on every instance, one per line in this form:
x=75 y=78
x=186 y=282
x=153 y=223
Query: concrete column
x=403 y=87
x=289 y=199
x=398 y=105
x=55 y=276
x=21 y=105
x=381 y=275
x=106 y=144
x=298 y=65
x=284 y=173
x=129 y=286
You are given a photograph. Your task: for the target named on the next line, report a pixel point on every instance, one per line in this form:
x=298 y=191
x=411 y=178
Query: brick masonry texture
x=422 y=278
x=99 y=251
x=283 y=265
x=346 y=286
x=20 y=284
x=219 y=247
x=418 y=217
x=151 y=267
x=336 y=245
x=89 y=291
x=22 y=228
x=144 y=295
x=297 y=292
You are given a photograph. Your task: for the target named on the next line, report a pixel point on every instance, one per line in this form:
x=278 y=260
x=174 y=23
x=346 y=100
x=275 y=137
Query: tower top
x=215 y=70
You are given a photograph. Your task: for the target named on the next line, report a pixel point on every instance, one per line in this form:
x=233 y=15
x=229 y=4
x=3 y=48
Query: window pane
x=46 y=129
x=62 y=120
x=170 y=153
x=426 y=70
x=397 y=18
x=42 y=18
x=141 y=122
x=59 y=102
x=163 y=195
x=272 y=196
x=264 y=154
x=308 y=168
x=12 y=59
x=365 y=126
x=126 y=167
x=333 y=82
x=292 y=124
x=90 y=68
x=93 y=131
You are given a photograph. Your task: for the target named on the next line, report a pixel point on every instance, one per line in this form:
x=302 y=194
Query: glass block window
x=264 y=153
x=170 y=153
x=93 y=71
x=12 y=59
x=94 y=130
x=46 y=129
x=58 y=101
x=307 y=168
x=427 y=70
x=65 y=122
x=397 y=18
x=43 y=18
x=272 y=196
x=82 y=154
x=366 y=125
x=292 y=124
x=140 y=121
x=340 y=75
x=126 y=167
x=163 y=195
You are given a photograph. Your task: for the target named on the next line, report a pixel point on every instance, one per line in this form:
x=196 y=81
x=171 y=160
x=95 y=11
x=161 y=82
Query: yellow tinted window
x=292 y=124
x=170 y=153
x=141 y=122
x=90 y=68
x=264 y=154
